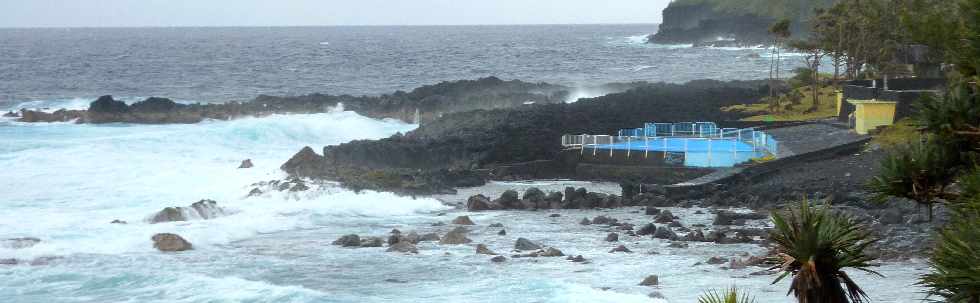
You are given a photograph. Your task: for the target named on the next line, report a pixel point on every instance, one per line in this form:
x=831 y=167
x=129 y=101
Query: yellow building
x=870 y=114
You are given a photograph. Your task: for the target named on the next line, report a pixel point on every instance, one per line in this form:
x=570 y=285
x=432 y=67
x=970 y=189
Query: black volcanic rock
x=464 y=143
x=305 y=163
x=430 y=102
x=107 y=105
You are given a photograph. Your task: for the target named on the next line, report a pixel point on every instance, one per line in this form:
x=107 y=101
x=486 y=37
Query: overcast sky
x=114 y=13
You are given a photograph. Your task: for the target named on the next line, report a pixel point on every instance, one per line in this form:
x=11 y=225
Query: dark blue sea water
x=224 y=64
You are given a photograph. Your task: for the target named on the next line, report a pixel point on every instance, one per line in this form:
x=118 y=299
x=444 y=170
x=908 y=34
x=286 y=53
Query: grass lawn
x=791 y=112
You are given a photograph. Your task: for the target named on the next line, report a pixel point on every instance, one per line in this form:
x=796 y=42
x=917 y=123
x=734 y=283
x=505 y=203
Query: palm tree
x=815 y=245
x=731 y=295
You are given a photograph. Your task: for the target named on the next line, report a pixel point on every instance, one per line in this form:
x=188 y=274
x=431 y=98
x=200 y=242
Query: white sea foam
x=638 y=39
x=64 y=183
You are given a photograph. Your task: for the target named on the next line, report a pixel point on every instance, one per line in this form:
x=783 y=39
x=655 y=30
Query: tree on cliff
x=812 y=59
x=780 y=32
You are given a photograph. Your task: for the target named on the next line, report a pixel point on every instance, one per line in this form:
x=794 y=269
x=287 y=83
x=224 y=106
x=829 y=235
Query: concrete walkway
x=795 y=143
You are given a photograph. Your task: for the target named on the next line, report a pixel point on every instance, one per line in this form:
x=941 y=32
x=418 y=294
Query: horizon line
x=323 y=25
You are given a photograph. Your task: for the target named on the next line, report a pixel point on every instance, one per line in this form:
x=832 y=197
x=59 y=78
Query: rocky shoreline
x=425 y=103
x=463 y=149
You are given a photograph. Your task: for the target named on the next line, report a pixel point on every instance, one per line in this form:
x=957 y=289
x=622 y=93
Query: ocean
x=64 y=183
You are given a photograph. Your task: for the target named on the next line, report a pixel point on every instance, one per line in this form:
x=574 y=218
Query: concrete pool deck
x=806 y=142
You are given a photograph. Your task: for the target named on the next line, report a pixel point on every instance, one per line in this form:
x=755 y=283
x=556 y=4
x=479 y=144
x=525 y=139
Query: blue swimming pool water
x=693 y=152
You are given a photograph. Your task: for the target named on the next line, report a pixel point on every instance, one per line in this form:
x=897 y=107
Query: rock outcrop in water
x=425 y=103
x=170 y=242
x=204 y=209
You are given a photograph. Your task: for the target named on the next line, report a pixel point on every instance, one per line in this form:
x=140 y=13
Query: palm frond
x=815 y=245
x=731 y=295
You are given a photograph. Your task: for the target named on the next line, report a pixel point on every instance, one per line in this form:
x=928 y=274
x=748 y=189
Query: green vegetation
x=797 y=105
x=815 y=245
x=898 y=135
x=731 y=295
x=945 y=169
x=956 y=259
x=777 y=9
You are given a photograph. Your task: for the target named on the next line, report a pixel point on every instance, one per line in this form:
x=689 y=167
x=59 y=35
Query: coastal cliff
x=731 y=23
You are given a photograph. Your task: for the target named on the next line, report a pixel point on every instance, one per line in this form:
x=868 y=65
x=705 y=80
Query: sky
x=127 y=13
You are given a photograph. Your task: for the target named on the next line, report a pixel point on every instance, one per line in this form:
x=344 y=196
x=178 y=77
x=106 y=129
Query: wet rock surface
x=168 y=242
x=203 y=210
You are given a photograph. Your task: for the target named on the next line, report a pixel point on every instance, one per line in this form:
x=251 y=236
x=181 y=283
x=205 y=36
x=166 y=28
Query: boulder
x=625 y=226
x=170 y=242
x=585 y=221
x=463 y=220
x=348 y=241
x=480 y=203
x=664 y=232
x=370 y=242
x=675 y=224
x=525 y=244
x=695 y=236
x=10 y=114
x=621 y=248
x=731 y=218
x=677 y=244
x=117 y=221
x=717 y=260
x=496 y=225
x=535 y=198
x=554 y=215
x=204 y=209
x=509 y=200
x=403 y=247
x=255 y=192
x=552 y=252
x=664 y=217
x=603 y=220
x=306 y=163
x=169 y=214
x=484 y=250
x=890 y=216
x=207 y=209
x=498 y=259
x=106 y=104
x=502 y=232
x=612 y=237
x=652 y=211
x=429 y=237
x=656 y=295
x=576 y=259
x=553 y=200
x=648 y=229
x=651 y=280
x=247 y=163
x=455 y=236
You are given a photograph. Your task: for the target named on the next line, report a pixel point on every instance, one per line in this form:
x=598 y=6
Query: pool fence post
x=665 y=147
x=595 y=145
x=610 y=147
x=646 y=146
x=629 y=146
x=582 y=145
x=709 y=153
